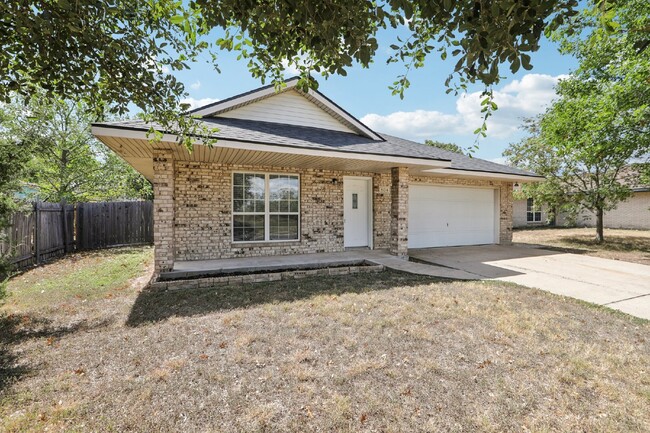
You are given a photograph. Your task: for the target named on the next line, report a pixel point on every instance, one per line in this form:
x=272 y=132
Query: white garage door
x=448 y=216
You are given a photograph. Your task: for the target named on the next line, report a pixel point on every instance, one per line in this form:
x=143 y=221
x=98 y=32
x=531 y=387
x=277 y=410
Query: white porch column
x=399 y=211
x=163 y=216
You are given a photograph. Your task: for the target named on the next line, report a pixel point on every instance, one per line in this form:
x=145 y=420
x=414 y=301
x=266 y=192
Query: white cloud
x=196 y=103
x=517 y=100
x=290 y=69
x=165 y=69
x=196 y=85
x=499 y=160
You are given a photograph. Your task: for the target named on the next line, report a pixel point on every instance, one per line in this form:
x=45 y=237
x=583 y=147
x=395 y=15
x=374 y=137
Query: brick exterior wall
x=399 y=227
x=204 y=200
x=163 y=204
x=633 y=213
x=193 y=210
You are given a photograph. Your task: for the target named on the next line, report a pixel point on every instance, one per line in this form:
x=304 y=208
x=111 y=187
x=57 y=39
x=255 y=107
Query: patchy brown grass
x=627 y=245
x=384 y=352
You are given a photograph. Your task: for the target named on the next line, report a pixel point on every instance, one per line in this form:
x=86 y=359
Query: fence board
x=43 y=234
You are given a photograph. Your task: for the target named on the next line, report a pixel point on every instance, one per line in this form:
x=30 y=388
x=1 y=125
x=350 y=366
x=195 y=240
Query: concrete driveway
x=620 y=285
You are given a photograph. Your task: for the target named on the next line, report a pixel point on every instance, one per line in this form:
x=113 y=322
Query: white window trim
x=267 y=212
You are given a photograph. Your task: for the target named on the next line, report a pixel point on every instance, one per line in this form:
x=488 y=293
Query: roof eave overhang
x=486 y=174
x=101 y=130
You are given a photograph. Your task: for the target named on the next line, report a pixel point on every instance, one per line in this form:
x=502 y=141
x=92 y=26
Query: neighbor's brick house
x=633 y=213
x=294 y=173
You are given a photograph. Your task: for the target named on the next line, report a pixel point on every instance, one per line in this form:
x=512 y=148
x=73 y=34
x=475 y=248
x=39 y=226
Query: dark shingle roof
x=315 y=138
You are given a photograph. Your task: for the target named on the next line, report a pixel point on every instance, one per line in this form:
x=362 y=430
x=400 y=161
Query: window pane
x=238 y=179
x=238 y=206
x=238 y=193
x=259 y=205
x=283 y=227
x=248 y=228
x=283 y=189
x=529 y=216
x=294 y=206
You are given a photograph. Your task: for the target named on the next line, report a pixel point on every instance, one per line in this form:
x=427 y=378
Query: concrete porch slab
x=194 y=268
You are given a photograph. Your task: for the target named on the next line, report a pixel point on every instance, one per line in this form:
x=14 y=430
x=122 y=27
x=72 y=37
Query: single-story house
x=292 y=172
x=633 y=213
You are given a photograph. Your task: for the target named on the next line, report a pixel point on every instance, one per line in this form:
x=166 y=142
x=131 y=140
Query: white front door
x=356 y=212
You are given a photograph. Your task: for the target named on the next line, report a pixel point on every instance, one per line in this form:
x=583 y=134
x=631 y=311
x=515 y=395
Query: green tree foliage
x=66 y=162
x=452 y=147
x=111 y=53
x=14 y=156
x=601 y=119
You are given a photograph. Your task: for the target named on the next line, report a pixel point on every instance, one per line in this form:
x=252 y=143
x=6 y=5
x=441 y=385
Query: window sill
x=253 y=244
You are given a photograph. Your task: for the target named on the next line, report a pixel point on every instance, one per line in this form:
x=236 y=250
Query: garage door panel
x=448 y=216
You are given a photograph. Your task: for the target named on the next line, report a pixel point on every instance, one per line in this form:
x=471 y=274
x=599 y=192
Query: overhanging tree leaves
x=111 y=52
x=452 y=147
x=601 y=121
x=63 y=159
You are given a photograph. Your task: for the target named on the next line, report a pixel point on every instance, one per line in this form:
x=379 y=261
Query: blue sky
x=426 y=110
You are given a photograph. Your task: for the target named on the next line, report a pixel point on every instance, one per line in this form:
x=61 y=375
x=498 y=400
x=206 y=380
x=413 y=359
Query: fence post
x=64 y=228
x=37 y=231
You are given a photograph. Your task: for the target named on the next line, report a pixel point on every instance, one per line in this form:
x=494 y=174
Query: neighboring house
x=633 y=213
x=294 y=173
x=527 y=213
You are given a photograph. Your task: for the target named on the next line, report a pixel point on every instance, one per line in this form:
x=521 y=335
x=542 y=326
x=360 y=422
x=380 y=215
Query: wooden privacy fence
x=54 y=229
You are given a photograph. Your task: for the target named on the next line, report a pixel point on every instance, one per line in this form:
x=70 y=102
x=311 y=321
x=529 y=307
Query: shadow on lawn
x=613 y=243
x=16 y=328
x=151 y=306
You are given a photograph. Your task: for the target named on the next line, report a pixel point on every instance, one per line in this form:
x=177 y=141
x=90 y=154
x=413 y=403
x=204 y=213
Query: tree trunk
x=600 y=237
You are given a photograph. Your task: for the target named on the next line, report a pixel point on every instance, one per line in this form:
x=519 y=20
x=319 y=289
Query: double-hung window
x=266 y=207
x=533 y=212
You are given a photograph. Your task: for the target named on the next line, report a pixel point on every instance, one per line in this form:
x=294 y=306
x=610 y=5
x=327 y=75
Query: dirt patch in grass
x=374 y=352
x=627 y=245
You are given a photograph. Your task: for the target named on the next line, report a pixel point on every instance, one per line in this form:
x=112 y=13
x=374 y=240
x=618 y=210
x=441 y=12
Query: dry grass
x=627 y=245
x=385 y=352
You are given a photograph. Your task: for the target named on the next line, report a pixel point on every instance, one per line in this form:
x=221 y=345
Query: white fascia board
x=244 y=145
x=504 y=176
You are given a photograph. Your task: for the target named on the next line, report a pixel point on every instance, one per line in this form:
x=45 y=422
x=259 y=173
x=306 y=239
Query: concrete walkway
x=616 y=284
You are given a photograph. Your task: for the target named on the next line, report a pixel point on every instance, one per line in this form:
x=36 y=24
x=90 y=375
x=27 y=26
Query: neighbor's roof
x=277 y=134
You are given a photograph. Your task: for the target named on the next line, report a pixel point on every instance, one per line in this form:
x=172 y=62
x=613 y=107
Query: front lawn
x=627 y=245
x=373 y=352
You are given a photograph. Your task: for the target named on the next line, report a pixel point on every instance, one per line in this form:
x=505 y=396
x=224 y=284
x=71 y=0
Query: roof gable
x=289 y=106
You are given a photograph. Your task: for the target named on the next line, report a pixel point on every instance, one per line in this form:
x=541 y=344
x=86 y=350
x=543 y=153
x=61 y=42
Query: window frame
x=533 y=213
x=267 y=207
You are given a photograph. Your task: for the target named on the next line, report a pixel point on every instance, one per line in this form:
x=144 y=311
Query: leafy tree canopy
x=64 y=160
x=110 y=53
x=600 y=122
x=452 y=147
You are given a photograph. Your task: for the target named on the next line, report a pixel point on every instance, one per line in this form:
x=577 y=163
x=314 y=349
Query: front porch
x=193 y=269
